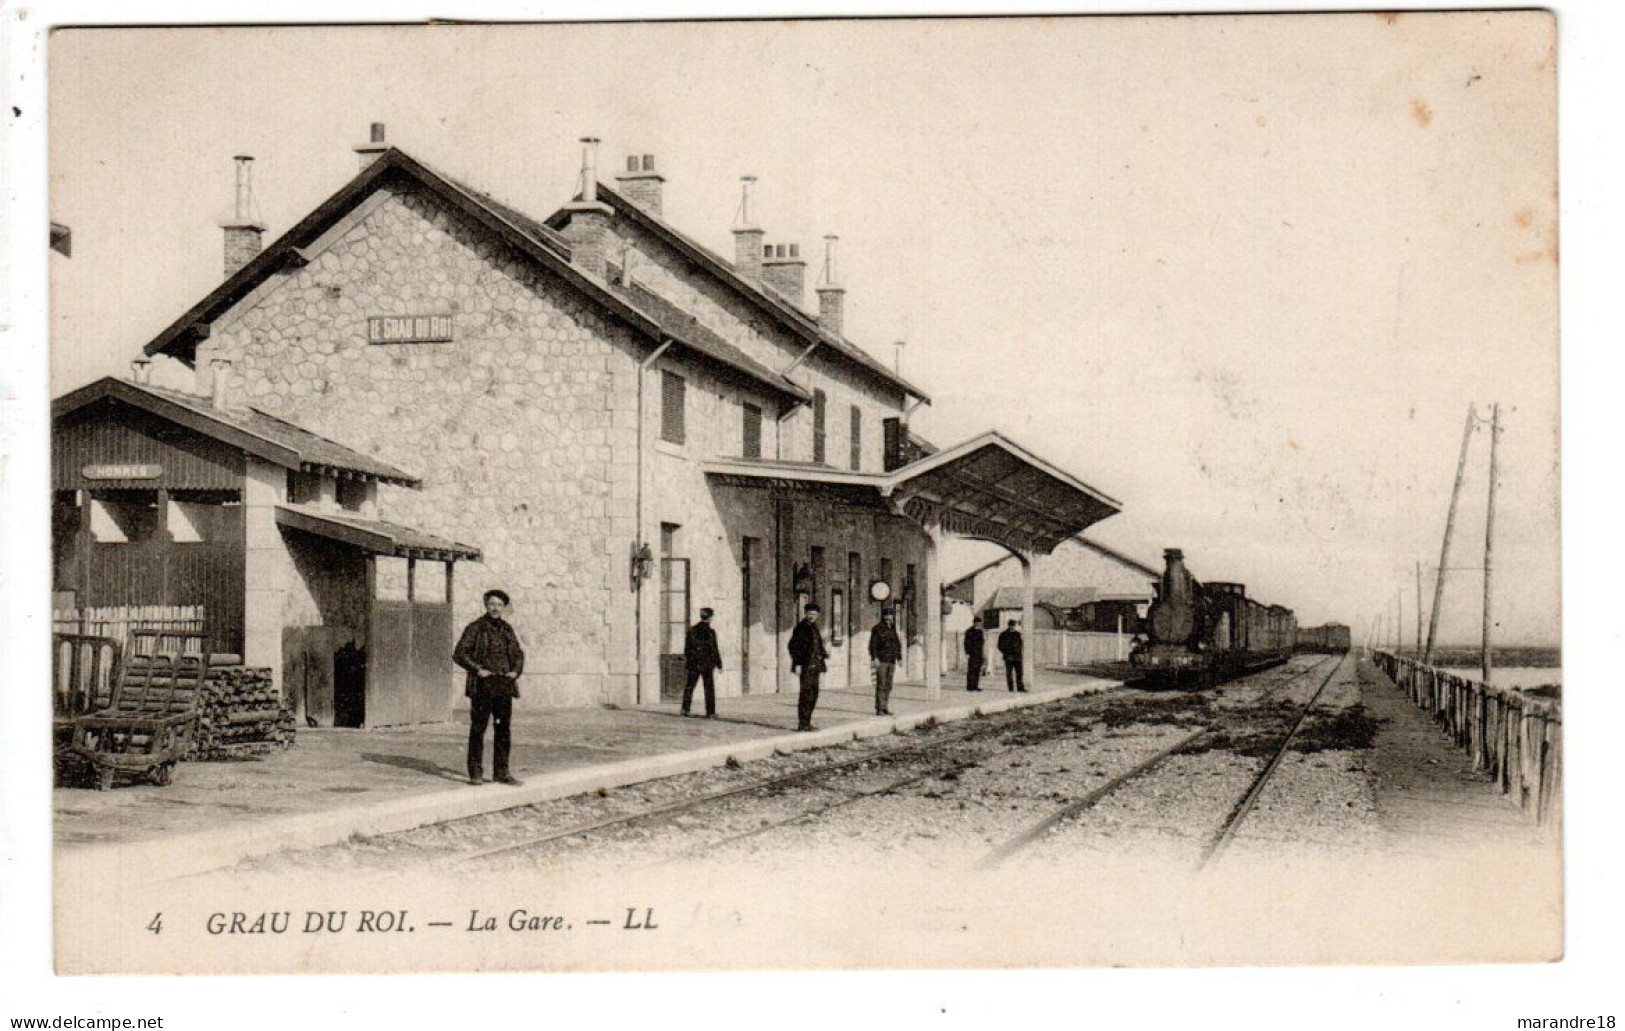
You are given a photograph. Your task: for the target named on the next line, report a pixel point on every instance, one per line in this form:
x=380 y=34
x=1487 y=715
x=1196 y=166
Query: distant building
x=1081 y=585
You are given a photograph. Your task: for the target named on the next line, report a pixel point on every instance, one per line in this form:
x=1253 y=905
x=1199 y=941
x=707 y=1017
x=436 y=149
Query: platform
x=334 y=782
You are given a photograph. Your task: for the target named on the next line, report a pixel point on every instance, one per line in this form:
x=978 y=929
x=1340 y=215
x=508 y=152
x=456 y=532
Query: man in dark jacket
x=489 y=650
x=1010 y=646
x=701 y=658
x=975 y=656
x=885 y=651
x=808 y=657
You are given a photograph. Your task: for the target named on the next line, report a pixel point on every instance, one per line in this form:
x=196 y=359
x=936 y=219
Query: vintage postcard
x=978 y=492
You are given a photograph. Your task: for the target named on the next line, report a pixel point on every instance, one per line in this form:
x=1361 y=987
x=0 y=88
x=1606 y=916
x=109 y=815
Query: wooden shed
x=162 y=498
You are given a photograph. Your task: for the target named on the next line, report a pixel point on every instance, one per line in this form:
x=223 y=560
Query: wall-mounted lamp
x=643 y=563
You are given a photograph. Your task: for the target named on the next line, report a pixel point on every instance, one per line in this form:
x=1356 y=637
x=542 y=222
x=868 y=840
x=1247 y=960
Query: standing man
x=1010 y=646
x=975 y=655
x=885 y=651
x=701 y=658
x=489 y=650
x=808 y=657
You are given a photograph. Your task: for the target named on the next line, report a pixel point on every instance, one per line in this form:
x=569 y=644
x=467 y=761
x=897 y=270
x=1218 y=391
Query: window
x=857 y=439
x=304 y=488
x=123 y=516
x=673 y=389
x=818 y=425
x=199 y=516
x=753 y=432
x=892 y=446
x=352 y=494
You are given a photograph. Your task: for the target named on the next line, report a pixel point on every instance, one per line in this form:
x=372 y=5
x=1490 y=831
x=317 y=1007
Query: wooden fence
x=182 y=625
x=1049 y=648
x=1515 y=737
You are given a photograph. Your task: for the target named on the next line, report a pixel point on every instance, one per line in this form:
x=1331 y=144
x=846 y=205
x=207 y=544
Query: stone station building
x=625 y=425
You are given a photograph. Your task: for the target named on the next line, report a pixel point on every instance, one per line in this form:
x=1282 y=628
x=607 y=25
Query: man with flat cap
x=489 y=651
x=701 y=659
x=809 y=658
x=885 y=652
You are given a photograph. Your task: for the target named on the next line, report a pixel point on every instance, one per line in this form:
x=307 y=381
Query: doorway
x=674 y=615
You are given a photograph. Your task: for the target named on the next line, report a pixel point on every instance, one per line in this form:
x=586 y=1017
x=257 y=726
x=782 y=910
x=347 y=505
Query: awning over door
x=375 y=535
x=988 y=487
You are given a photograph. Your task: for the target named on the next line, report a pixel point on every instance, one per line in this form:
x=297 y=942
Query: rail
x=1514 y=736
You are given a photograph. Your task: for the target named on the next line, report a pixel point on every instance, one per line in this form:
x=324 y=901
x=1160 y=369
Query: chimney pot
x=831 y=295
x=140 y=370
x=641 y=184
x=589 y=169
x=747 y=235
x=784 y=271
x=368 y=152
x=243 y=231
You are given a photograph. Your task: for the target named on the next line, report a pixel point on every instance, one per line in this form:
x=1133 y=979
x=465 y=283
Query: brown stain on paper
x=1422 y=113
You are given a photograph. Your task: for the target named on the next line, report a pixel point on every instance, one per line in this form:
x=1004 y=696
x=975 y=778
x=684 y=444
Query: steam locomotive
x=1199 y=634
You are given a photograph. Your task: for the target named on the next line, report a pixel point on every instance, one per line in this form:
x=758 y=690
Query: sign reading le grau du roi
x=409 y=329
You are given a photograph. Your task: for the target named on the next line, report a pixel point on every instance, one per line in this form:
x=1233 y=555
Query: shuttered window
x=857 y=439
x=753 y=432
x=672 y=395
x=819 y=403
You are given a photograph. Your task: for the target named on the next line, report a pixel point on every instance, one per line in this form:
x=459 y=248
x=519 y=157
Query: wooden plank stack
x=242 y=715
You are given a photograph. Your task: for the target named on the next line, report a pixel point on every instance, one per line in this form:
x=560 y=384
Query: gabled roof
x=255 y=432
x=763 y=297
x=680 y=324
x=540 y=244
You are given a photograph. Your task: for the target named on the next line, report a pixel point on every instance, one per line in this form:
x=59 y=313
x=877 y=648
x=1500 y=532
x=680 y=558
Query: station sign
x=409 y=329
x=122 y=472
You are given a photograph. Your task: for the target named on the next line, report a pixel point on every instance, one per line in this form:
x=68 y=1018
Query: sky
x=1243 y=274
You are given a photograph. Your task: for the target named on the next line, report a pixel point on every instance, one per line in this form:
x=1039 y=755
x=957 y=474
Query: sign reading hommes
x=122 y=472
x=409 y=329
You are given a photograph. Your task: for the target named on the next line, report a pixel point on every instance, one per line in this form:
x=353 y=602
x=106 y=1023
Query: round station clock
x=880 y=590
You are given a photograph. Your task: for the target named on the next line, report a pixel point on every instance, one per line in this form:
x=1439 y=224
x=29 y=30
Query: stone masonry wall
x=522 y=428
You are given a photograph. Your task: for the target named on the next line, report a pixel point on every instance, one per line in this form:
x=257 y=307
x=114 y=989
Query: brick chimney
x=831 y=294
x=747 y=235
x=588 y=230
x=221 y=368
x=242 y=231
x=785 y=271
x=369 y=152
x=641 y=184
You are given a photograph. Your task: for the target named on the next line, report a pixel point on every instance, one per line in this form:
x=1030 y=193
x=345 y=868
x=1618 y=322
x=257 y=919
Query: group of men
x=490 y=654
x=1011 y=648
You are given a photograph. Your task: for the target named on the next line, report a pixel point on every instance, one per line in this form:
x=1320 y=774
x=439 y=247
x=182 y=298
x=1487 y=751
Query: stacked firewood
x=241 y=714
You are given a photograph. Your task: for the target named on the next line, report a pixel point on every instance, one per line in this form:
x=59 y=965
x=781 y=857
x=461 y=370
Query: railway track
x=758 y=807
x=681 y=805
x=1220 y=840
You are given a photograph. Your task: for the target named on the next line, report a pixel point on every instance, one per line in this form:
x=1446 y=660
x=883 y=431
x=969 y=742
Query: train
x=1198 y=634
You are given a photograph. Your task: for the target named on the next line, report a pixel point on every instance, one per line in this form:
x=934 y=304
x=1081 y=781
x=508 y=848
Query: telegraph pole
x=1489 y=541
x=1449 y=527
x=1419 y=609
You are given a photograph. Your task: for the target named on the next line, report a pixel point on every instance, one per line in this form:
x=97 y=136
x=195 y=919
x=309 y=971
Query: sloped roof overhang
x=536 y=241
x=988 y=487
x=254 y=432
x=375 y=535
x=763 y=298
